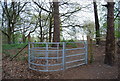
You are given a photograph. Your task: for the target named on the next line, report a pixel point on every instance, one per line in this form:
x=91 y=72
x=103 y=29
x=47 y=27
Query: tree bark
x=119 y=21
x=9 y=33
x=56 y=33
x=13 y=36
x=29 y=38
x=50 y=29
x=23 y=38
x=41 y=29
x=110 y=38
x=97 y=26
x=118 y=43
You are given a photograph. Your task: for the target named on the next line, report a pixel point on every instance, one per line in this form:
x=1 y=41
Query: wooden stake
x=90 y=50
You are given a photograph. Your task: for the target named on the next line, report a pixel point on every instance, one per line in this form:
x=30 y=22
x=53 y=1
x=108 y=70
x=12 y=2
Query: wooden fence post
x=90 y=50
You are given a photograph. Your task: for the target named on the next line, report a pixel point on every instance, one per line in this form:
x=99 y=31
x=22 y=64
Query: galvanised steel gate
x=56 y=56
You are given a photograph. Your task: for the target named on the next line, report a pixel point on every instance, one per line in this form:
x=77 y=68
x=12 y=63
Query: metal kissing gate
x=56 y=56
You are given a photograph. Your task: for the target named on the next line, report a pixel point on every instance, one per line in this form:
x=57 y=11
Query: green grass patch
x=39 y=45
x=13 y=46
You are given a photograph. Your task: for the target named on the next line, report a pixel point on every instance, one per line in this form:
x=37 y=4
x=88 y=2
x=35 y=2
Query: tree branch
x=41 y=7
x=73 y=26
x=5 y=33
x=20 y=9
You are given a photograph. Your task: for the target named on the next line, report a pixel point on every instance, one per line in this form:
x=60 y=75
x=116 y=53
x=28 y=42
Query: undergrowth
x=13 y=46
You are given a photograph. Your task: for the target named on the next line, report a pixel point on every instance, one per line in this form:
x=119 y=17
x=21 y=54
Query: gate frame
x=63 y=62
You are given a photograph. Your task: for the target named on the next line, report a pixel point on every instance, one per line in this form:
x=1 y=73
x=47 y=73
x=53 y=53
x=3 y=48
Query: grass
x=39 y=45
x=68 y=43
x=13 y=46
x=7 y=47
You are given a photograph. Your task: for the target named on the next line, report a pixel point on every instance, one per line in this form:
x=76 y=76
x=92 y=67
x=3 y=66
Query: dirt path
x=96 y=70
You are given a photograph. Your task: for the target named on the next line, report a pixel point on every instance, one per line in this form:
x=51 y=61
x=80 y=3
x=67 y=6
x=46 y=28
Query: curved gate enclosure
x=56 y=56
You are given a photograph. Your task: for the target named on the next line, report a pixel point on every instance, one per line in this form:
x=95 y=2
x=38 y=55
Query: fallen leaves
x=19 y=69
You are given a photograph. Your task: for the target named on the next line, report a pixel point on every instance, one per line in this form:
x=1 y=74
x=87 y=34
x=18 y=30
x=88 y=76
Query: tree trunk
x=13 y=21
x=13 y=36
x=118 y=43
x=110 y=38
x=56 y=33
x=50 y=30
x=97 y=26
x=2 y=18
x=23 y=35
x=118 y=54
x=9 y=33
x=119 y=21
x=41 y=35
x=23 y=38
x=29 y=38
x=41 y=30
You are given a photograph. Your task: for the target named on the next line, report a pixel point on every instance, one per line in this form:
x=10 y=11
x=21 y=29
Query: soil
x=96 y=70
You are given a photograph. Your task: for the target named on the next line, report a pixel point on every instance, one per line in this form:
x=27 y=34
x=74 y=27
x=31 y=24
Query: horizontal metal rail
x=43 y=50
x=43 y=47
x=75 y=48
x=75 y=61
x=75 y=55
x=45 y=65
x=45 y=42
x=47 y=58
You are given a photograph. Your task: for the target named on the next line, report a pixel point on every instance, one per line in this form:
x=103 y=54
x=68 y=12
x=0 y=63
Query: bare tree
x=11 y=15
x=110 y=38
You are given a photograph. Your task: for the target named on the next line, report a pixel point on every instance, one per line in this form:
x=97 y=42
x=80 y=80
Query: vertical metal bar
x=63 y=56
x=29 y=55
x=86 y=53
x=46 y=56
x=57 y=51
x=32 y=53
